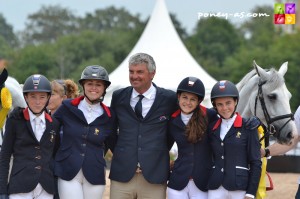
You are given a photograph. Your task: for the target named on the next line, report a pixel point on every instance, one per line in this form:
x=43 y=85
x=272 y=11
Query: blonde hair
x=65 y=87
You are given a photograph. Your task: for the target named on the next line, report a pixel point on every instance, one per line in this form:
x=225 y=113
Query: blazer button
x=222 y=170
x=82 y=154
x=222 y=144
x=38 y=157
x=38 y=167
x=222 y=157
x=37 y=147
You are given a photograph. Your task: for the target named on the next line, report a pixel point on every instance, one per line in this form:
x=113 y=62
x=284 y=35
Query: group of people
x=59 y=141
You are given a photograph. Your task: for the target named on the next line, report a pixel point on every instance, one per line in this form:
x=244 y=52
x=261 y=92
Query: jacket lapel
x=125 y=101
x=28 y=123
x=29 y=127
x=157 y=101
x=236 y=124
x=178 y=122
x=231 y=132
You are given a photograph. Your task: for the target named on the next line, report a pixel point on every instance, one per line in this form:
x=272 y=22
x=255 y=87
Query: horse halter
x=270 y=128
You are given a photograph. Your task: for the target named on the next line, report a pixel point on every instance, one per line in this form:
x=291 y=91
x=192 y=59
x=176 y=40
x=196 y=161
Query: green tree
x=5 y=49
x=260 y=31
x=33 y=59
x=286 y=48
x=74 y=52
x=111 y=19
x=214 y=39
x=49 y=23
x=259 y=35
x=6 y=31
x=8 y=40
x=240 y=63
x=68 y=54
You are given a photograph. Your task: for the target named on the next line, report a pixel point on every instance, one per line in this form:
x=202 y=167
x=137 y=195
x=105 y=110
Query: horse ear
x=255 y=67
x=283 y=68
x=259 y=70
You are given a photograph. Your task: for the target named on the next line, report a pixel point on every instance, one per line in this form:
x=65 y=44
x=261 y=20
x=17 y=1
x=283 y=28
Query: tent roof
x=173 y=61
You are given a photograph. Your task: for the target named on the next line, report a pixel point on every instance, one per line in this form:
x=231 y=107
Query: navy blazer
x=83 y=144
x=194 y=160
x=143 y=141
x=237 y=162
x=31 y=158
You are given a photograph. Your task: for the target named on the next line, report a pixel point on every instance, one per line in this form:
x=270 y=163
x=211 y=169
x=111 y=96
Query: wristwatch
x=267 y=152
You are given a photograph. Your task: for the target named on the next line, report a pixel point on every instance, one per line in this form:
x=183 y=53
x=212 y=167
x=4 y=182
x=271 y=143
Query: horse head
x=263 y=93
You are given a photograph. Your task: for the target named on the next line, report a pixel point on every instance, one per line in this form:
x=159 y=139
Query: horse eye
x=272 y=97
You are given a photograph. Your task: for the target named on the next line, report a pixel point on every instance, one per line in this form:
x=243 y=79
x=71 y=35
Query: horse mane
x=273 y=78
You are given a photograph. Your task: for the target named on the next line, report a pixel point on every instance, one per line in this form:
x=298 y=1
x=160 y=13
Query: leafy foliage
x=49 y=23
x=111 y=20
x=214 y=39
x=7 y=34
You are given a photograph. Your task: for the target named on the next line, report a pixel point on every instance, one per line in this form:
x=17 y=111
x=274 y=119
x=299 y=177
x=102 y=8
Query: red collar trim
x=237 y=122
x=48 y=117
x=217 y=124
x=204 y=109
x=26 y=115
x=76 y=101
x=106 y=109
x=176 y=113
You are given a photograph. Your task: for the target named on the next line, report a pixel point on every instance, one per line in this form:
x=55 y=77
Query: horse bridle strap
x=270 y=128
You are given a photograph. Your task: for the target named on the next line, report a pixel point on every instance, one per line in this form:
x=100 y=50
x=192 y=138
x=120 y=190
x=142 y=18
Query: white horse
x=263 y=93
x=16 y=93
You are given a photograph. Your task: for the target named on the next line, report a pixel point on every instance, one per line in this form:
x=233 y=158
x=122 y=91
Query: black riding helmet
x=37 y=83
x=192 y=85
x=224 y=88
x=97 y=73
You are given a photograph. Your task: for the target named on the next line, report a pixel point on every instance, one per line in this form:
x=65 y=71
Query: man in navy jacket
x=140 y=164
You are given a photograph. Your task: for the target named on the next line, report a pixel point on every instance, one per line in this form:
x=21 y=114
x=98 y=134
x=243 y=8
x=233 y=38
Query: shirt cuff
x=249 y=195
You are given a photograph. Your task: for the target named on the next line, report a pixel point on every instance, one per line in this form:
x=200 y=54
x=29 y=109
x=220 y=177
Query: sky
x=187 y=11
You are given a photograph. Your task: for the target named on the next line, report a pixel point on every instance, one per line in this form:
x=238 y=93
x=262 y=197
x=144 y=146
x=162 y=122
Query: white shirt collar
x=229 y=121
x=90 y=111
x=226 y=125
x=148 y=94
x=88 y=106
x=33 y=116
x=186 y=117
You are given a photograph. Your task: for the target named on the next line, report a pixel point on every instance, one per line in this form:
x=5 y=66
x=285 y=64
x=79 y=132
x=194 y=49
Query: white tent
x=173 y=61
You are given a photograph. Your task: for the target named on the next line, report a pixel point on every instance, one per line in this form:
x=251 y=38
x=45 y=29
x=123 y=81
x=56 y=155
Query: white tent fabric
x=173 y=61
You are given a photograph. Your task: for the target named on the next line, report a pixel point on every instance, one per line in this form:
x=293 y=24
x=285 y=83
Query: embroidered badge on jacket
x=52 y=135
x=161 y=118
x=96 y=131
x=238 y=134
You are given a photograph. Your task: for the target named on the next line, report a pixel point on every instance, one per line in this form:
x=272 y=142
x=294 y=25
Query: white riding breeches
x=79 y=188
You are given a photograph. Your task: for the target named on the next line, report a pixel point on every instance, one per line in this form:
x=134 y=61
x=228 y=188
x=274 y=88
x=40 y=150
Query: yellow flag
x=262 y=190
